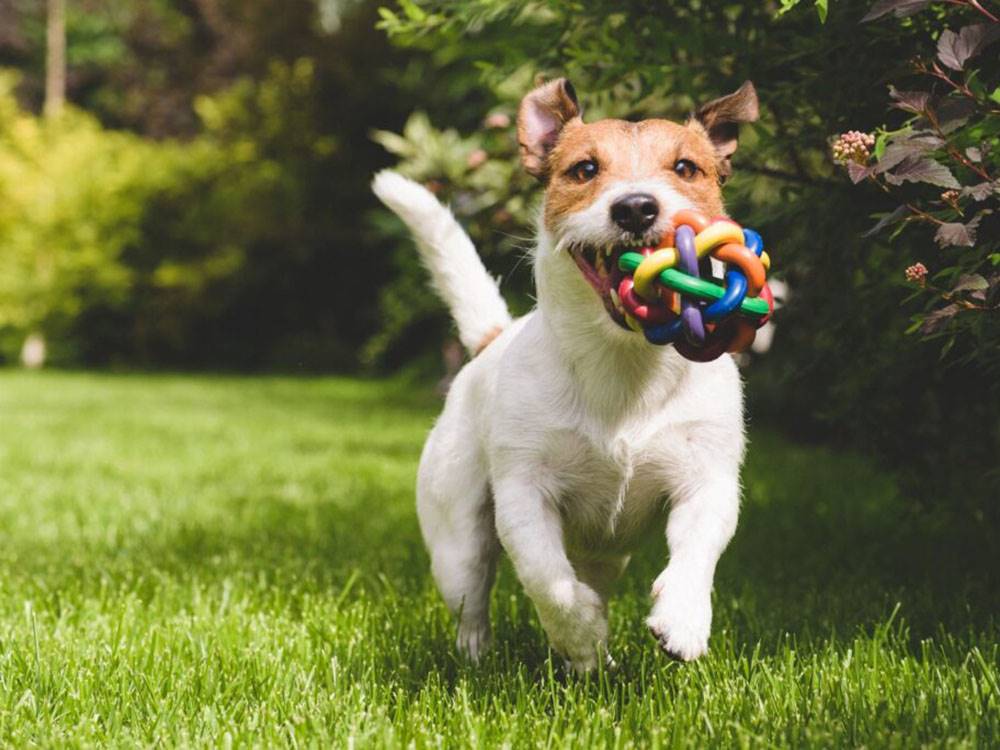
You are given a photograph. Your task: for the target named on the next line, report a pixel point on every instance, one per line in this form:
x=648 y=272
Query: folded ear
x=721 y=119
x=540 y=119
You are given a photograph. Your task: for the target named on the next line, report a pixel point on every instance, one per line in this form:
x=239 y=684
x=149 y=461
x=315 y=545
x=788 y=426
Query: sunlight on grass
x=206 y=560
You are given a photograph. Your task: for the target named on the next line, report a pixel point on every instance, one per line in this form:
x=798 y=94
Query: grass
x=226 y=561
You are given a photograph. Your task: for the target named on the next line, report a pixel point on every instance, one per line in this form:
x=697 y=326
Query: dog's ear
x=540 y=119
x=721 y=119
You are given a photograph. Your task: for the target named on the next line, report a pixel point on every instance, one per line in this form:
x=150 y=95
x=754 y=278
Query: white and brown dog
x=569 y=435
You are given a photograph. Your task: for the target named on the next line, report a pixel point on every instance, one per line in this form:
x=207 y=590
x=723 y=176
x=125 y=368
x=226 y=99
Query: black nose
x=635 y=213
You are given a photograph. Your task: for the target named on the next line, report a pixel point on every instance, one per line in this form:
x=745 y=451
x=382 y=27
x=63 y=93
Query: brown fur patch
x=487 y=339
x=630 y=151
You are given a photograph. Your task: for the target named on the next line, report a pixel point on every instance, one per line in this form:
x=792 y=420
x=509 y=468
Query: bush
x=72 y=201
x=241 y=241
x=842 y=366
x=221 y=250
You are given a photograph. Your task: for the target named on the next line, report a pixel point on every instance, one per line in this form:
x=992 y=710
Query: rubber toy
x=669 y=301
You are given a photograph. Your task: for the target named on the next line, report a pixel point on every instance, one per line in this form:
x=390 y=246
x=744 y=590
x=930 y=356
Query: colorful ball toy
x=668 y=301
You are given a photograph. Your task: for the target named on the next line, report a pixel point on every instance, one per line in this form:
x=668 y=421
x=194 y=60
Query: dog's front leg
x=701 y=524
x=530 y=529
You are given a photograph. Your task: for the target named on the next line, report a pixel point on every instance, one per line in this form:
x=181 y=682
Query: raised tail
x=457 y=273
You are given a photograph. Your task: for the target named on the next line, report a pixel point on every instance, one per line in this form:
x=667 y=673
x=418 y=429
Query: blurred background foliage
x=203 y=200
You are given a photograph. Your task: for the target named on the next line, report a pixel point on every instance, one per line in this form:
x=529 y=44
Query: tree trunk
x=55 y=58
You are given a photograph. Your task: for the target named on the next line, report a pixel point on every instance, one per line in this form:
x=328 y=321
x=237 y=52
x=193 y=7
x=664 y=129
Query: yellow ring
x=634 y=324
x=765 y=260
x=650 y=268
x=719 y=233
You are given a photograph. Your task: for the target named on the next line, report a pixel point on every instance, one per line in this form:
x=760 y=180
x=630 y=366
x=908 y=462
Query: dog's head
x=612 y=185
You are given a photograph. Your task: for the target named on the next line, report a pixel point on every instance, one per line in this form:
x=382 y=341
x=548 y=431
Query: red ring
x=639 y=308
x=765 y=292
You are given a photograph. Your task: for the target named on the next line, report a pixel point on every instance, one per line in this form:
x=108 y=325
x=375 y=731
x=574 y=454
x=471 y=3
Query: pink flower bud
x=477 y=158
x=917 y=274
x=497 y=120
x=852 y=146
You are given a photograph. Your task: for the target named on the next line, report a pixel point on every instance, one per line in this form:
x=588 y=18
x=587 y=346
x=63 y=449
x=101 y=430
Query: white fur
x=765 y=336
x=561 y=444
x=591 y=225
x=456 y=272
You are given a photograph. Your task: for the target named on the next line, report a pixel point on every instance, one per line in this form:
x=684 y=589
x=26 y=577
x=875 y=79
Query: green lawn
x=235 y=561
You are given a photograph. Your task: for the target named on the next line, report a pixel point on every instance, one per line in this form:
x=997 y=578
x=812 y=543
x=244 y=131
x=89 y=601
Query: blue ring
x=736 y=290
x=754 y=241
x=664 y=333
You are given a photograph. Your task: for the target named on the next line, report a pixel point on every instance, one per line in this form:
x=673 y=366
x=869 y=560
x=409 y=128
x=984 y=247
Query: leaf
x=954 y=234
x=880 y=143
x=954 y=113
x=922 y=169
x=970 y=282
x=974 y=154
x=910 y=101
x=890 y=218
x=980 y=192
x=822 y=9
x=786 y=5
x=901 y=148
x=937 y=319
x=858 y=172
x=947 y=348
x=901 y=8
x=954 y=50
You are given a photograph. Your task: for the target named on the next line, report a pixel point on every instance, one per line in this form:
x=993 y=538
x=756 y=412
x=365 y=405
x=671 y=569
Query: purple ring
x=694 y=324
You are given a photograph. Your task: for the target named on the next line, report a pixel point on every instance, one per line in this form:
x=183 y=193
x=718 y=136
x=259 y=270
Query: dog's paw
x=575 y=620
x=473 y=640
x=681 y=620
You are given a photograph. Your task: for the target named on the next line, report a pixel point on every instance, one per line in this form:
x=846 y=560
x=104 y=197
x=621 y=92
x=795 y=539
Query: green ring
x=695 y=287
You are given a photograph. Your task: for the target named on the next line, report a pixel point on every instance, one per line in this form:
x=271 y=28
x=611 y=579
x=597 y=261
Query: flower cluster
x=950 y=196
x=853 y=146
x=497 y=120
x=917 y=274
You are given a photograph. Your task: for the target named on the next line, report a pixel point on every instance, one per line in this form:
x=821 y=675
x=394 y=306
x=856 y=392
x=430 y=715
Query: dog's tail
x=457 y=273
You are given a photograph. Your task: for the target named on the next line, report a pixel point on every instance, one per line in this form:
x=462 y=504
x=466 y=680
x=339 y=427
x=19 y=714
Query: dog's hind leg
x=456 y=519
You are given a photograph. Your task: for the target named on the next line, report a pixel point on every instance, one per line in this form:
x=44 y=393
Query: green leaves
x=822 y=8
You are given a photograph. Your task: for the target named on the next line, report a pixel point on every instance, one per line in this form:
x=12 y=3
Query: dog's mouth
x=599 y=266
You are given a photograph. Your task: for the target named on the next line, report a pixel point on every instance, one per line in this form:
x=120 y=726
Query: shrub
x=842 y=367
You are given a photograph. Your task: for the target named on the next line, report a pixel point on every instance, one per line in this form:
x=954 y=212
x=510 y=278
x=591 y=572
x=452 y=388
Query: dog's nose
x=635 y=213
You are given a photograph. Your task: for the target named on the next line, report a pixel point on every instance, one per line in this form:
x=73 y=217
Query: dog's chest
x=609 y=487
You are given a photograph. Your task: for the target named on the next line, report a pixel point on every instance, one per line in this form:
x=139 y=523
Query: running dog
x=567 y=435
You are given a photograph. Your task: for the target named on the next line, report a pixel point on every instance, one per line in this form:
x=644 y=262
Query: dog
x=567 y=435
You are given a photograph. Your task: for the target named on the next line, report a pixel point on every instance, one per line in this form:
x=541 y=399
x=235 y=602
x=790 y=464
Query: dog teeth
x=617 y=302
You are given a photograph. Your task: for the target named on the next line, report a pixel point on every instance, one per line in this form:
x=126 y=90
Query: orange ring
x=747 y=261
x=694 y=219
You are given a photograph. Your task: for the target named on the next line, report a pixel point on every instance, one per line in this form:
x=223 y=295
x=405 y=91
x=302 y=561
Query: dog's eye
x=686 y=169
x=583 y=171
